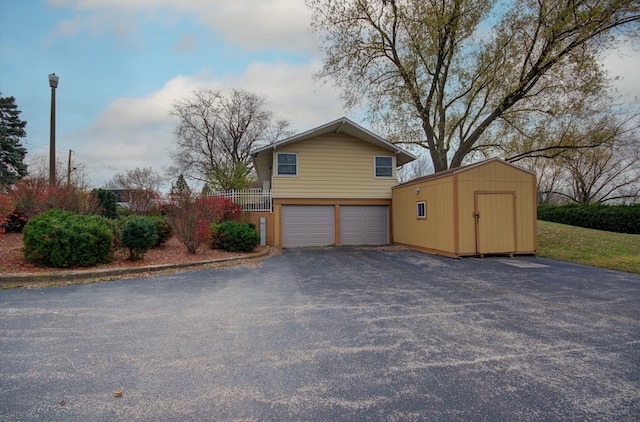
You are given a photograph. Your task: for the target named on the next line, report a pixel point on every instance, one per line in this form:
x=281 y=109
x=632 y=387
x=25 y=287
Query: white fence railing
x=257 y=200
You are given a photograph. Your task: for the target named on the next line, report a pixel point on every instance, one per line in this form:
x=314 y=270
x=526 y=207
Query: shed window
x=421 y=209
x=384 y=166
x=287 y=164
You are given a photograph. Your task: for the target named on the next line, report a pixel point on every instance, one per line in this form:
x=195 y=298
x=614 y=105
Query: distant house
x=330 y=186
x=138 y=200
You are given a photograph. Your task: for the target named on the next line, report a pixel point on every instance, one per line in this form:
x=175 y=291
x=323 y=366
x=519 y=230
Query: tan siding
x=451 y=219
x=496 y=177
x=333 y=166
x=434 y=232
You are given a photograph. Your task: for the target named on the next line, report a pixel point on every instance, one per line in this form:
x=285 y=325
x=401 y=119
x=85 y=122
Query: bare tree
x=77 y=175
x=437 y=74
x=216 y=133
x=603 y=174
x=417 y=168
x=145 y=179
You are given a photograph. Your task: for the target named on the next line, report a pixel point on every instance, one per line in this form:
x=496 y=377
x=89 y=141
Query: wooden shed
x=484 y=208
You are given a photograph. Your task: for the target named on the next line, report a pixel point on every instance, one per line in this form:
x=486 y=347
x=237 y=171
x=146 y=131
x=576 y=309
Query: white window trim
x=392 y=167
x=424 y=204
x=277 y=167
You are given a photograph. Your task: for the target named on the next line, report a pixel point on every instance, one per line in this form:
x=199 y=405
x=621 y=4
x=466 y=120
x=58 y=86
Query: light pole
x=53 y=83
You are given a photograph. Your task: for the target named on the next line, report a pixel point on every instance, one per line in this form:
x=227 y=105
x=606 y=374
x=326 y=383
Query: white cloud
x=186 y=44
x=138 y=132
x=282 y=24
x=623 y=64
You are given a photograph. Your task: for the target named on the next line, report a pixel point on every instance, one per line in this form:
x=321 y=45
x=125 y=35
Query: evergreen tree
x=181 y=184
x=180 y=188
x=12 y=153
x=206 y=190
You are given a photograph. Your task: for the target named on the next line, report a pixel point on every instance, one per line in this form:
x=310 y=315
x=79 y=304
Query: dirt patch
x=171 y=252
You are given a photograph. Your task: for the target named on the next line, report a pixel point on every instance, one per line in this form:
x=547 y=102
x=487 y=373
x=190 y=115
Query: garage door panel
x=364 y=225
x=308 y=226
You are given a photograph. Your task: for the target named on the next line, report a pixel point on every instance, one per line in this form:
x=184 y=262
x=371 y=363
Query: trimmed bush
x=236 y=237
x=138 y=235
x=62 y=239
x=163 y=227
x=108 y=201
x=613 y=218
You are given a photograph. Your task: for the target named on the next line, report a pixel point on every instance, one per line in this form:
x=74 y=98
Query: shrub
x=108 y=201
x=138 y=235
x=14 y=222
x=6 y=208
x=183 y=215
x=217 y=209
x=62 y=239
x=73 y=199
x=613 y=218
x=191 y=217
x=237 y=237
x=33 y=196
x=144 y=202
x=162 y=226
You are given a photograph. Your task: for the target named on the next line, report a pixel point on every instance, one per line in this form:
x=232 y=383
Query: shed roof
x=460 y=169
x=342 y=125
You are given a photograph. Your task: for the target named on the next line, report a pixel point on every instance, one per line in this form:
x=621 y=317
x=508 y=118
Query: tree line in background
x=454 y=81
x=461 y=80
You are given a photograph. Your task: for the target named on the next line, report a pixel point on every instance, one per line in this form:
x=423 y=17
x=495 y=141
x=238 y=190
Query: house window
x=384 y=166
x=421 y=209
x=287 y=164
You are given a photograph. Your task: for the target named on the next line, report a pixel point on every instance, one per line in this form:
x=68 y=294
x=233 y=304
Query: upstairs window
x=287 y=164
x=384 y=166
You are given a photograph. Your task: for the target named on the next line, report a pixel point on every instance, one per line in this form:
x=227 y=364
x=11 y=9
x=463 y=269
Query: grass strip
x=615 y=251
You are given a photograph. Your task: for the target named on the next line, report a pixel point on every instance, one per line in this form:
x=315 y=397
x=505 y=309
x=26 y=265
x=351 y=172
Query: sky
x=123 y=63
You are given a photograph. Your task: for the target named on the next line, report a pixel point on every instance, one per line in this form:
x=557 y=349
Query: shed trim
x=456 y=170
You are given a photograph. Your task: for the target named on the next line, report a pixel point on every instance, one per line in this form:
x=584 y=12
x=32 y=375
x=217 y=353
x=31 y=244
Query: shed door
x=495 y=222
x=308 y=225
x=364 y=225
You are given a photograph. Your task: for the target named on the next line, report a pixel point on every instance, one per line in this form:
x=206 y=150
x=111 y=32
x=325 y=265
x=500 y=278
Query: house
x=484 y=208
x=329 y=186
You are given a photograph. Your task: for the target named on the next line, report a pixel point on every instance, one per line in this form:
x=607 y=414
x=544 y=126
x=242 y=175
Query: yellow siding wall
x=436 y=232
x=449 y=228
x=497 y=177
x=333 y=166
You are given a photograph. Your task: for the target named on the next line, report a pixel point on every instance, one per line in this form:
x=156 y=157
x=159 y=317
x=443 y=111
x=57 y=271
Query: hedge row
x=613 y=218
x=62 y=239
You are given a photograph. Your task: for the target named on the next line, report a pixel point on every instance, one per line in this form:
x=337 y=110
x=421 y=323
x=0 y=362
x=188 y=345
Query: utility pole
x=53 y=83
x=69 y=170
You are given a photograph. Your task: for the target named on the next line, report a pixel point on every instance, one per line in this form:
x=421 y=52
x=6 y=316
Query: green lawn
x=616 y=251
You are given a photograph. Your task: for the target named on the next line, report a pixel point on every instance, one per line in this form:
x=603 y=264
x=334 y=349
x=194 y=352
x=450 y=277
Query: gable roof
x=342 y=125
x=460 y=169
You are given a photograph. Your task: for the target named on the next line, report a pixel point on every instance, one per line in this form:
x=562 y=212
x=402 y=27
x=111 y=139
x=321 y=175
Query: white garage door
x=364 y=225
x=308 y=225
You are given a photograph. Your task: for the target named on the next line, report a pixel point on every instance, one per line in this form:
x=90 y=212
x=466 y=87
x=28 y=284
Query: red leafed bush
x=6 y=208
x=218 y=209
x=191 y=217
x=34 y=196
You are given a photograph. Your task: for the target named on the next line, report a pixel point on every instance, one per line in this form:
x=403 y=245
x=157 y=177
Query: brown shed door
x=495 y=222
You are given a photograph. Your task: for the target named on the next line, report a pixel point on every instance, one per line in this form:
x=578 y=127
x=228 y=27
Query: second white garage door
x=364 y=225
x=308 y=225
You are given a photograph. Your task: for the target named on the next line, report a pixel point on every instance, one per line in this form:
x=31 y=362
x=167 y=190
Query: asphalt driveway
x=329 y=334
